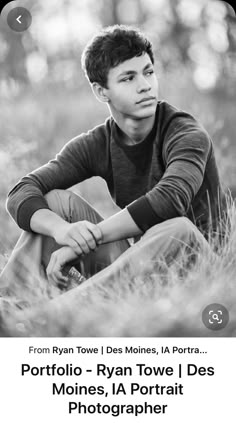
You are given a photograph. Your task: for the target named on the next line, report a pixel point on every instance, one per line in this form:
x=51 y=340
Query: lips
x=145 y=99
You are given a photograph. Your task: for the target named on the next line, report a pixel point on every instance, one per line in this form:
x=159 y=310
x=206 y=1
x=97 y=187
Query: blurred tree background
x=45 y=99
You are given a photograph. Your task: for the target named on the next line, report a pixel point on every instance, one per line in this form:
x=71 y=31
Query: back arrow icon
x=19 y=19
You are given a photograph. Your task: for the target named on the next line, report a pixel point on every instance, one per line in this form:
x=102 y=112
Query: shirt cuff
x=143 y=214
x=27 y=209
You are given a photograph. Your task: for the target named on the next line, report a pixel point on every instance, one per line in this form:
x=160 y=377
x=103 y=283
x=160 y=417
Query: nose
x=143 y=84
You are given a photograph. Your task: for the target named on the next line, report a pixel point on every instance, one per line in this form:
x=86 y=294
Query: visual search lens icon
x=19 y=19
x=215 y=316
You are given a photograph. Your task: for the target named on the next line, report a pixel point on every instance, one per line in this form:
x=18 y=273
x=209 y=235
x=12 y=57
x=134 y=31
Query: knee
x=178 y=227
x=70 y=206
x=58 y=201
x=52 y=197
x=55 y=193
x=183 y=227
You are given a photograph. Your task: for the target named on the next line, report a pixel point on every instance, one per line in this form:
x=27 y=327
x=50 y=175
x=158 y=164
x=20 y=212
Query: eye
x=150 y=72
x=128 y=78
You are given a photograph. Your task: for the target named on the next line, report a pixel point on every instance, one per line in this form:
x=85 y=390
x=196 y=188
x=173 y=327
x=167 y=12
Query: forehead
x=136 y=64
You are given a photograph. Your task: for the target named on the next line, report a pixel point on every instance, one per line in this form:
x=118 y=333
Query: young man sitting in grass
x=159 y=166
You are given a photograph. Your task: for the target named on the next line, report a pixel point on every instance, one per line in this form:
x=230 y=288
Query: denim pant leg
x=164 y=241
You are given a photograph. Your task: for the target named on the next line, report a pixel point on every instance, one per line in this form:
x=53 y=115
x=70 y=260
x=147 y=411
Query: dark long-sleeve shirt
x=171 y=173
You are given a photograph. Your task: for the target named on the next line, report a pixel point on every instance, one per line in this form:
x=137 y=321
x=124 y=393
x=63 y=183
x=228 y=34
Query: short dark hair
x=110 y=47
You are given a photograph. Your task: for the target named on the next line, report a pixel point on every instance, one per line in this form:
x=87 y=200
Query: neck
x=136 y=130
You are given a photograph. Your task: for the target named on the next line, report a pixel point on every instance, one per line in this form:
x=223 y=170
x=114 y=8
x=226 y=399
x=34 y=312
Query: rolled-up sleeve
x=70 y=166
x=186 y=149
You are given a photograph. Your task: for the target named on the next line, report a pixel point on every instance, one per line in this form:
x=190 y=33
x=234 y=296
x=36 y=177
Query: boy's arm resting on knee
x=119 y=226
x=82 y=236
x=134 y=220
x=46 y=222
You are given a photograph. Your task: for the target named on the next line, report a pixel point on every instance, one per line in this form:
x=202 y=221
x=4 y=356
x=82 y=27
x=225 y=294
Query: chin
x=149 y=112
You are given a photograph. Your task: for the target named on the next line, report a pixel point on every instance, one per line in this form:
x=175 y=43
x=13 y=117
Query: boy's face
x=133 y=88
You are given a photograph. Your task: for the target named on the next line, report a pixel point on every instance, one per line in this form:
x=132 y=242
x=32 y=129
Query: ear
x=100 y=92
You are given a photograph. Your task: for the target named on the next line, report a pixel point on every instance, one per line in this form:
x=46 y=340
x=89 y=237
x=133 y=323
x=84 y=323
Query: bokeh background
x=45 y=99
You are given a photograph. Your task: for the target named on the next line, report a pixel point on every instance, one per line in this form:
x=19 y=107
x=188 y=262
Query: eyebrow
x=132 y=72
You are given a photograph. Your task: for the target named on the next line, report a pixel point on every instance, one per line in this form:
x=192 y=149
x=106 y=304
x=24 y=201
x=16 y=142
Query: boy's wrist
x=101 y=227
x=102 y=241
x=58 y=226
x=46 y=222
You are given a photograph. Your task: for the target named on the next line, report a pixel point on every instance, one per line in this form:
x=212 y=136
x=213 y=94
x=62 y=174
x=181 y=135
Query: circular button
x=215 y=316
x=19 y=19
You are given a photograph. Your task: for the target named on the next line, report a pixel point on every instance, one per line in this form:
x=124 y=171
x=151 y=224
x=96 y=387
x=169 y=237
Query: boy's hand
x=57 y=261
x=82 y=236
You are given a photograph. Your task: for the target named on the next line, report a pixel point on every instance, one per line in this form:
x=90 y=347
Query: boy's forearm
x=119 y=226
x=46 y=222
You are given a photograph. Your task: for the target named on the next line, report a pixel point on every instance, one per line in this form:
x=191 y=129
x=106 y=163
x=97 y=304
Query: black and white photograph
x=117 y=168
